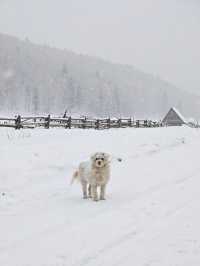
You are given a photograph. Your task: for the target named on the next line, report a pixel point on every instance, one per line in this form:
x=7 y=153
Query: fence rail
x=69 y=122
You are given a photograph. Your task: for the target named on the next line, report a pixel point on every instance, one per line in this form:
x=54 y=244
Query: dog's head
x=100 y=159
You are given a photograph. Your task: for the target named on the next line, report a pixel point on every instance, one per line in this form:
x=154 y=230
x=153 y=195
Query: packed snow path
x=151 y=216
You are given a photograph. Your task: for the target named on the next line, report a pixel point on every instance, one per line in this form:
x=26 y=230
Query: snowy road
x=151 y=216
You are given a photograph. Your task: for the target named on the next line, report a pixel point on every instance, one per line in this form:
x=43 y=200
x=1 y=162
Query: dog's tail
x=75 y=176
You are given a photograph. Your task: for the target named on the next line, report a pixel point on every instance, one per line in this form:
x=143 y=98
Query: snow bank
x=151 y=215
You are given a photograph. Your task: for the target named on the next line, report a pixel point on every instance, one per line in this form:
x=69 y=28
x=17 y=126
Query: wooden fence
x=69 y=122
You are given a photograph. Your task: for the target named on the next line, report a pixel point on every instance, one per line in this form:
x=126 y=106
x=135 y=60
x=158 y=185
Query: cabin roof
x=179 y=115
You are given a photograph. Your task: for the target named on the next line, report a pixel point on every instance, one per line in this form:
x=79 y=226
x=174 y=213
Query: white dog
x=93 y=174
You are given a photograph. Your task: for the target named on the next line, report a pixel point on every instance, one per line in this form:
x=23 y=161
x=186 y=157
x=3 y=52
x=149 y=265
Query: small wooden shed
x=174 y=118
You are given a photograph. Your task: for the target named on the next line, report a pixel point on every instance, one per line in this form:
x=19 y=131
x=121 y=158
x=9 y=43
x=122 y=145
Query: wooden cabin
x=174 y=118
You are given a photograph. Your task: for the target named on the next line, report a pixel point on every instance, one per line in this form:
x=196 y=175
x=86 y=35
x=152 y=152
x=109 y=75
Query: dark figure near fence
x=65 y=114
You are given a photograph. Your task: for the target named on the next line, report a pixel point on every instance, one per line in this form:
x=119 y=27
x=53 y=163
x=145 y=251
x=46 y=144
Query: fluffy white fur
x=93 y=174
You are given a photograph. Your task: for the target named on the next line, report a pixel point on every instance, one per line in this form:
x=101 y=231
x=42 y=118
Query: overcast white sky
x=157 y=36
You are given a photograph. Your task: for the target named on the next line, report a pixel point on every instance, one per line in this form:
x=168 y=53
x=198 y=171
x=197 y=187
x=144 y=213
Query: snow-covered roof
x=179 y=114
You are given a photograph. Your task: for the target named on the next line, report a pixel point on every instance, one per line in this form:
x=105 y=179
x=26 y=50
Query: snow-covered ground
x=151 y=216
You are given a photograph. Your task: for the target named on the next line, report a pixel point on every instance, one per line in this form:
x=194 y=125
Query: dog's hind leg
x=84 y=188
x=94 y=192
x=89 y=191
x=102 y=192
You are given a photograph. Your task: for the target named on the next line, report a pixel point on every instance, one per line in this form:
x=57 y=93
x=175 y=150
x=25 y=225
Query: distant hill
x=37 y=79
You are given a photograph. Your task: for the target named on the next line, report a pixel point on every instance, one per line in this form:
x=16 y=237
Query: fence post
x=119 y=122
x=18 y=124
x=97 y=124
x=145 y=123
x=108 y=122
x=84 y=122
x=69 y=122
x=130 y=122
x=47 y=124
x=137 y=123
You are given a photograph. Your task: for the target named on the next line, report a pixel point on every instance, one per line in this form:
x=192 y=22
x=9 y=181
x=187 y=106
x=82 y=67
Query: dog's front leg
x=94 y=193
x=84 y=188
x=102 y=192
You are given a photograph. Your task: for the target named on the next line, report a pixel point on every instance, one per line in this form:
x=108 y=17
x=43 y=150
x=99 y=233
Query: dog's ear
x=107 y=156
x=92 y=157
